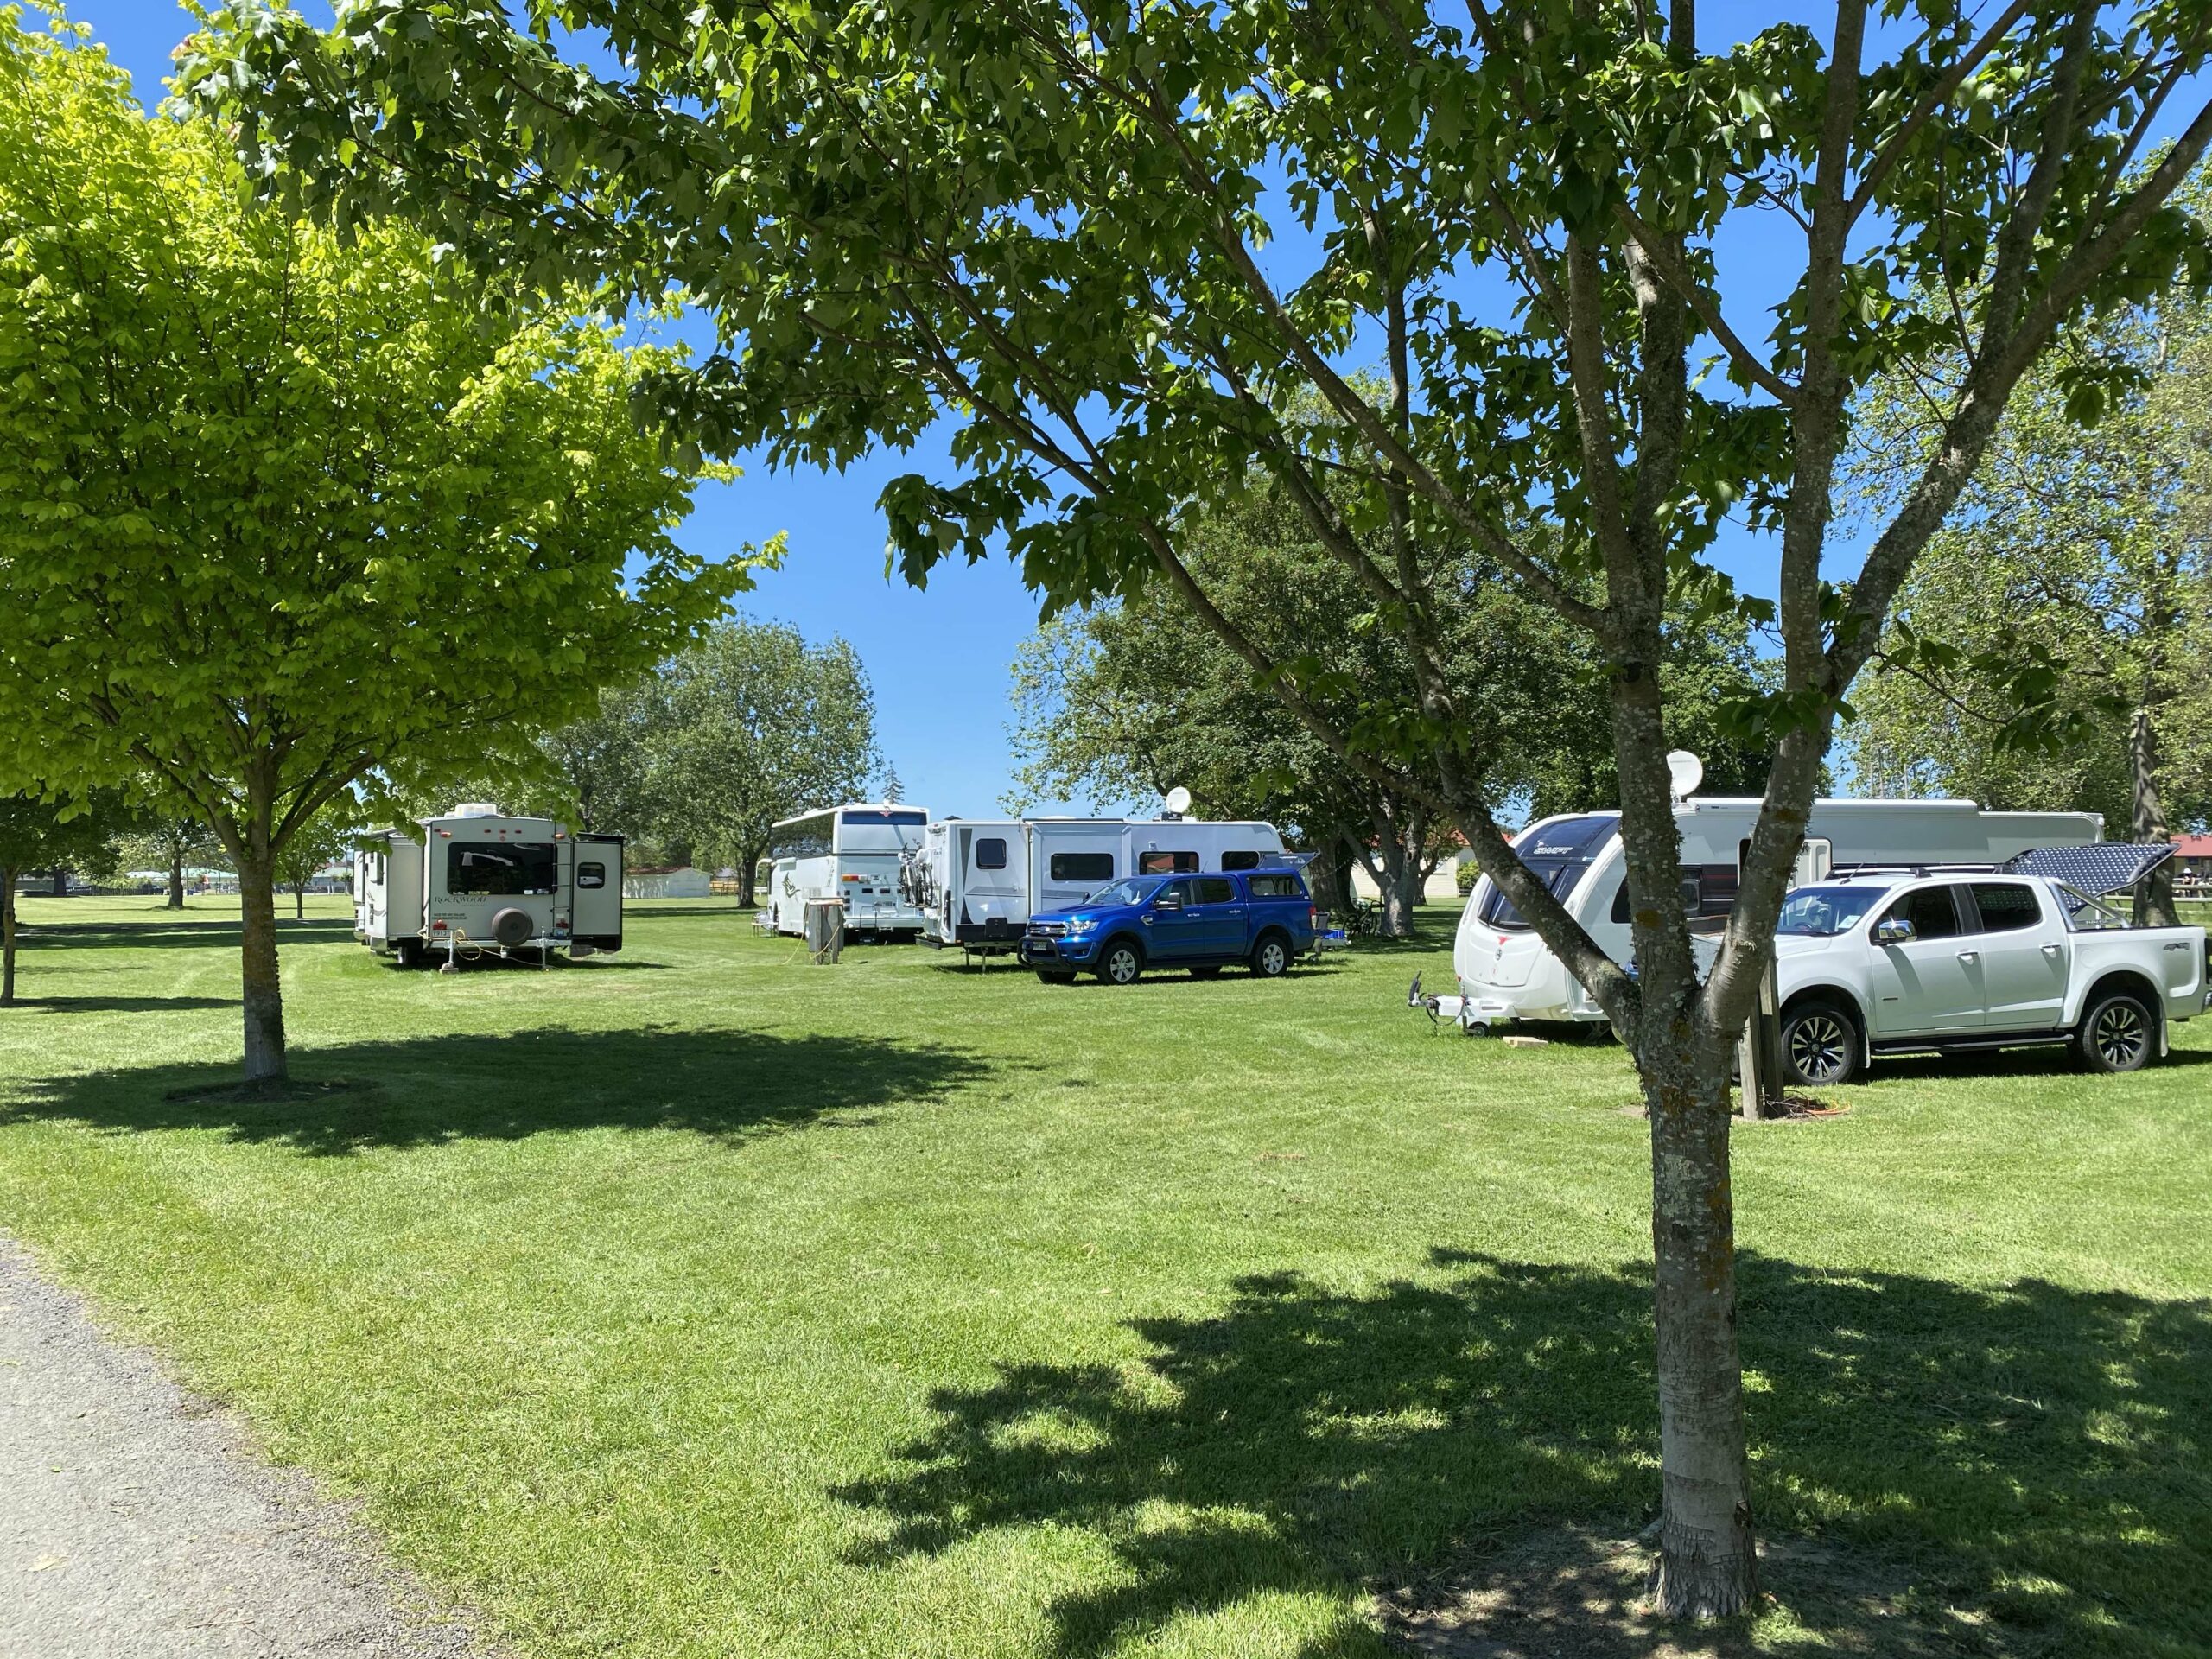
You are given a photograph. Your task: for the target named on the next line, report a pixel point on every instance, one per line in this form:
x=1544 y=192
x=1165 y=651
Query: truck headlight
x=1082 y=924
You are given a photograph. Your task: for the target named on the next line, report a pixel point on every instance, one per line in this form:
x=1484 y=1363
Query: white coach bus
x=851 y=854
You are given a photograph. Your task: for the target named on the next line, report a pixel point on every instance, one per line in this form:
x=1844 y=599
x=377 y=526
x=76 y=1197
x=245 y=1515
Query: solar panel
x=2104 y=866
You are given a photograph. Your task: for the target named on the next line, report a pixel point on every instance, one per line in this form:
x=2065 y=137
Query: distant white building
x=665 y=881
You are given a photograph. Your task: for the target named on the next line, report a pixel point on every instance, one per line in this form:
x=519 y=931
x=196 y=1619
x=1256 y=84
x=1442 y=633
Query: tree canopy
x=1114 y=245
x=2053 y=646
x=280 y=506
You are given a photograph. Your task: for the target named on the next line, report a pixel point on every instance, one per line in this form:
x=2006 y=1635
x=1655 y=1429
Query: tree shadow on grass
x=430 y=1091
x=171 y=935
x=1940 y=1469
x=2044 y=1063
x=121 y=1004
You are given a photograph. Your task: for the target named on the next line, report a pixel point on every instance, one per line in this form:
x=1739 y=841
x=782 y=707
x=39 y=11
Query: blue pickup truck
x=1264 y=918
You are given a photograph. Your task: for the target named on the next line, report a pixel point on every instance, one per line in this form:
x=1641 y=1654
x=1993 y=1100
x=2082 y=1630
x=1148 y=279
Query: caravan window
x=990 y=854
x=502 y=869
x=591 y=875
x=1082 y=866
x=1165 y=863
x=1562 y=879
x=1243 y=859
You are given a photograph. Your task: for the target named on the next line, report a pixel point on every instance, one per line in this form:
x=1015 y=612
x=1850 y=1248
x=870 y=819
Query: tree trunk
x=298 y=901
x=748 y=872
x=1390 y=878
x=8 y=873
x=176 y=878
x=2154 y=895
x=264 y=992
x=61 y=881
x=1706 y=1565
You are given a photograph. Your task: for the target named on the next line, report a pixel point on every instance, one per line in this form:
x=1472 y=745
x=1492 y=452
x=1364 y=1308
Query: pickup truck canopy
x=2101 y=867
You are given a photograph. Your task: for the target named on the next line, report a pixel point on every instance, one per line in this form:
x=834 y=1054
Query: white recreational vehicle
x=851 y=854
x=977 y=881
x=477 y=880
x=1505 y=972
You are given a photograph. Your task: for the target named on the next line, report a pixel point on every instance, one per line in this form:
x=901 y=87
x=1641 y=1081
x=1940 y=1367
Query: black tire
x=1206 y=971
x=408 y=951
x=2119 y=1033
x=1121 y=962
x=1820 y=1044
x=1271 y=956
x=1054 y=977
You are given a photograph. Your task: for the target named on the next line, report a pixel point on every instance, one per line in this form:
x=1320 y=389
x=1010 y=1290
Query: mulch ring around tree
x=1579 y=1593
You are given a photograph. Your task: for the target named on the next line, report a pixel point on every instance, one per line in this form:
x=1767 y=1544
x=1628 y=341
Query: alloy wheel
x=2120 y=1034
x=1819 y=1048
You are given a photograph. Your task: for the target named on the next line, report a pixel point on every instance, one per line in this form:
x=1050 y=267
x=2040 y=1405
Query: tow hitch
x=1471 y=1015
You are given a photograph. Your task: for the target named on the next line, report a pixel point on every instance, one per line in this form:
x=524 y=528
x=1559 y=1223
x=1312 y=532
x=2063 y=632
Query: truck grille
x=1047 y=930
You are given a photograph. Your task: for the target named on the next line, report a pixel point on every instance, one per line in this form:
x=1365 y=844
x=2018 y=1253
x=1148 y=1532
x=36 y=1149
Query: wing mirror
x=1894 y=930
x=1167 y=901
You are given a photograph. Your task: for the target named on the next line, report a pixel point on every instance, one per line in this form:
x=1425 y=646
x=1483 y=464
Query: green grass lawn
x=700 y=1300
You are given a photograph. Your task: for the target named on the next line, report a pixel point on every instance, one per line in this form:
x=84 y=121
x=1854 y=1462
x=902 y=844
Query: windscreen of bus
x=873 y=831
x=1559 y=856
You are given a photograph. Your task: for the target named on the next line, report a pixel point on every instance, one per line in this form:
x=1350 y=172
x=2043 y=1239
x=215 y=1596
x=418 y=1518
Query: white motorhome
x=851 y=854
x=977 y=881
x=1506 y=973
x=476 y=880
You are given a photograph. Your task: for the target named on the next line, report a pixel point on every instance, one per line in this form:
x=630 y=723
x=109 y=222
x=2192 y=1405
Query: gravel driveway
x=137 y=1520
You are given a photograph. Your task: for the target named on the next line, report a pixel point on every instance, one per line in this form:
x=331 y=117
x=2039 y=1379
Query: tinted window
x=881 y=830
x=1568 y=838
x=801 y=838
x=1498 y=910
x=990 y=854
x=1214 y=890
x=591 y=875
x=1178 y=892
x=1931 y=911
x=1162 y=863
x=1082 y=866
x=1244 y=859
x=503 y=868
x=1708 y=890
x=1275 y=887
x=2005 y=905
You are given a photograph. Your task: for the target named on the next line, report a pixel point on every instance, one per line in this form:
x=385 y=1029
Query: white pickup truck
x=1896 y=962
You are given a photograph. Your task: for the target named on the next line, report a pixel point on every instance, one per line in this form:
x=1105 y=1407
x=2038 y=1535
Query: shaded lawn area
x=702 y=1302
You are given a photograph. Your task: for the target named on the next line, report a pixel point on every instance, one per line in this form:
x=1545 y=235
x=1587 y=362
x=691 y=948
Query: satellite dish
x=1179 y=801
x=1687 y=770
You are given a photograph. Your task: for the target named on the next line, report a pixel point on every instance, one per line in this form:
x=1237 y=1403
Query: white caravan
x=851 y=854
x=978 y=880
x=477 y=880
x=1506 y=972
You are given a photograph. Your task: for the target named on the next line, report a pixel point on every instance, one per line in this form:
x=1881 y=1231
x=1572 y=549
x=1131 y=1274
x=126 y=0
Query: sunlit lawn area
x=702 y=1302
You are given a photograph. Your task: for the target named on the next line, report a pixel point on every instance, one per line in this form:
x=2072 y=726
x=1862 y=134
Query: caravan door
x=1070 y=861
x=595 y=893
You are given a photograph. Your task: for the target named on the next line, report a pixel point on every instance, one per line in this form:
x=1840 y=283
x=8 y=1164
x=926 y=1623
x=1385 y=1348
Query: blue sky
x=939 y=658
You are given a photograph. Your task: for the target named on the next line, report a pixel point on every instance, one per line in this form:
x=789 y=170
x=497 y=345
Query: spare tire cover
x=512 y=926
